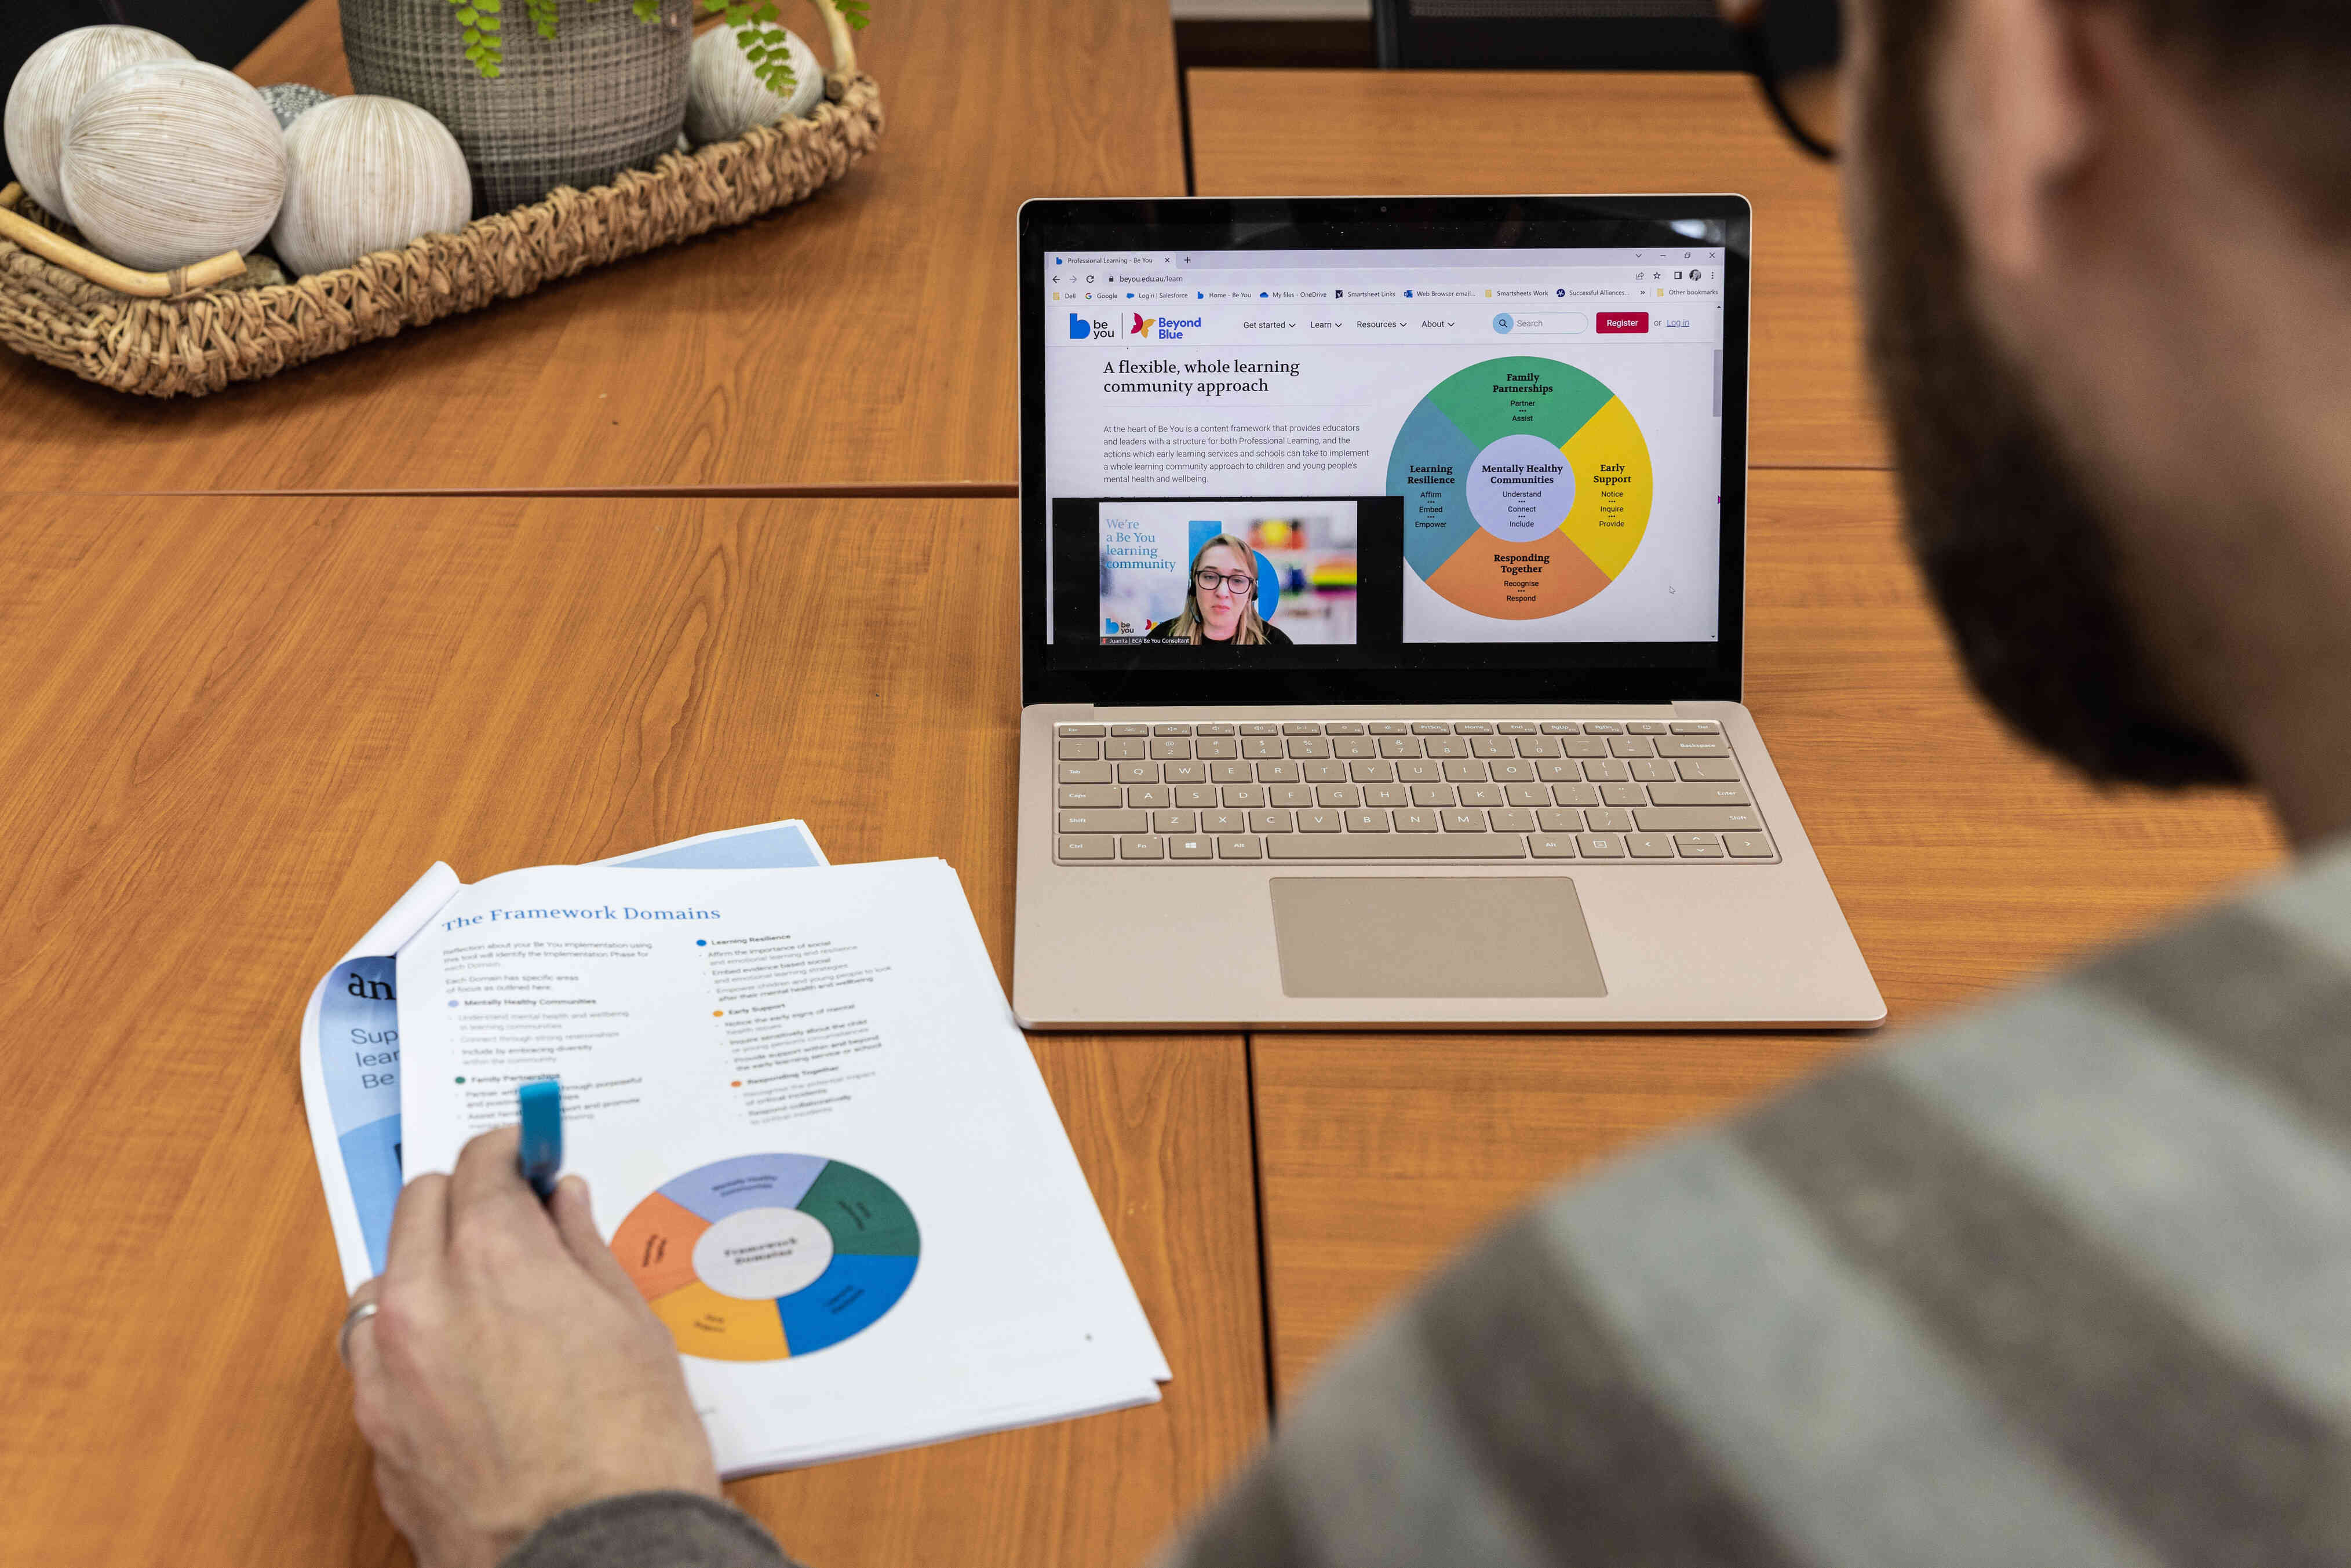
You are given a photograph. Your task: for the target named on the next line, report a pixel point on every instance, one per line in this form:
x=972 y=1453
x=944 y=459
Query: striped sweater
x=2065 y=1281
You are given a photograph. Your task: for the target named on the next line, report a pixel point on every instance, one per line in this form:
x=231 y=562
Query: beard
x=2000 y=518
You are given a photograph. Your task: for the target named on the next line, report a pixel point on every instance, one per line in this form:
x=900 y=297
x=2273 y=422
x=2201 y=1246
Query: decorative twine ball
x=290 y=100
x=364 y=174
x=42 y=101
x=169 y=161
x=724 y=96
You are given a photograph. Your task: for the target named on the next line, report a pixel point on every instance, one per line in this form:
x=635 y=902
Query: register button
x=1621 y=322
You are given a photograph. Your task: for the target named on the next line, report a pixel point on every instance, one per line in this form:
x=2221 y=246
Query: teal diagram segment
x=1519 y=395
x=1428 y=466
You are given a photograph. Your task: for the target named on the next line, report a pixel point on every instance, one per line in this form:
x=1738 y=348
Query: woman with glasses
x=1220 y=605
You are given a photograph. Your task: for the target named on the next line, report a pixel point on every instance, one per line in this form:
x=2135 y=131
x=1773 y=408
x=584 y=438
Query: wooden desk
x=1308 y=133
x=864 y=338
x=1963 y=863
x=238 y=728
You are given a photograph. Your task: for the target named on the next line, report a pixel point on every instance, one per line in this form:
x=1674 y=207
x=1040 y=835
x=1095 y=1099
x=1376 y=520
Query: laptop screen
x=1325 y=457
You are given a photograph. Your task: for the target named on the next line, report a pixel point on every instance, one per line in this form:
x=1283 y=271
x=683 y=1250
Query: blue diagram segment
x=749 y=1181
x=1429 y=467
x=854 y=1289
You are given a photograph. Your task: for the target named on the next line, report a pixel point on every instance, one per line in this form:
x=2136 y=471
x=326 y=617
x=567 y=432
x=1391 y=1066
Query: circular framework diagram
x=1526 y=486
x=766 y=1256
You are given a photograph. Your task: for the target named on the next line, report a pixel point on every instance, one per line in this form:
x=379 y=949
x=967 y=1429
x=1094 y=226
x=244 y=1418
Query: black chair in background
x=221 y=31
x=1552 y=35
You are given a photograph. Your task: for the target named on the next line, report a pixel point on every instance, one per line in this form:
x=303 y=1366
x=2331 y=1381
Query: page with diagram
x=817 y=1142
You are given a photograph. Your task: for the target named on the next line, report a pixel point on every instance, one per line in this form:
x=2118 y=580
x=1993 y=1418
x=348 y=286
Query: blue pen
x=542 y=1134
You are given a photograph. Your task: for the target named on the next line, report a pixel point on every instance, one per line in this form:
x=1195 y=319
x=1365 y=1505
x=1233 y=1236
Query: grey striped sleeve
x=2068 y=1280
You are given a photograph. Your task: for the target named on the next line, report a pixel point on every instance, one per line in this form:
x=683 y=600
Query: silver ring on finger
x=352 y=1320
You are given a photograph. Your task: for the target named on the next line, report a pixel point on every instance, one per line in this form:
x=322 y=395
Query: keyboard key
x=1224 y=821
x=1552 y=846
x=1240 y=847
x=1337 y=795
x=1138 y=773
x=1079 y=751
x=1261 y=746
x=1559 y=820
x=1644 y=727
x=1702 y=769
x=1694 y=726
x=1481 y=795
x=1429 y=726
x=1268 y=822
x=1387 y=794
x=1391 y=726
x=1088 y=847
x=1211 y=747
x=1141 y=847
x=1096 y=795
x=1303 y=746
x=1717 y=819
x=1244 y=797
x=1187 y=772
x=1171 y=729
x=1289 y=797
x=1698 y=846
x=1081 y=731
x=1343 y=729
x=1492 y=746
x=1229 y=773
x=1473 y=726
x=1195 y=796
x=1649 y=846
x=1602 y=727
x=1372 y=772
x=1625 y=794
x=1584 y=747
x=1323 y=772
x=1191 y=849
x=1448 y=746
x=1083 y=772
x=1508 y=820
x=1649 y=770
x=1125 y=750
x=1748 y=846
x=1355 y=745
x=1562 y=726
x=1527 y=794
x=1419 y=772
x=1260 y=730
x=1514 y=727
x=1607 y=820
x=1399 y=746
x=1600 y=846
x=1576 y=794
x=1301 y=729
x=1538 y=746
x=1175 y=822
x=1277 y=773
x=1367 y=821
x=1153 y=797
x=1699 y=794
x=1512 y=772
x=1318 y=821
x=1632 y=745
x=1212 y=729
x=1608 y=772
x=1458 y=822
x=1104 y=821
x=1414 y=820
x=1390 y=847
x=1130 y=729
x=1693 y=746
x=1433 y=795
x=1464 y=770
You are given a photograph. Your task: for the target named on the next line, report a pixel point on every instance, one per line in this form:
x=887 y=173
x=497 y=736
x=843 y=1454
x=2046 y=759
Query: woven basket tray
x=201 y=342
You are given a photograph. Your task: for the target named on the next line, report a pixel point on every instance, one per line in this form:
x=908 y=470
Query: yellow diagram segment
x=1613 y=482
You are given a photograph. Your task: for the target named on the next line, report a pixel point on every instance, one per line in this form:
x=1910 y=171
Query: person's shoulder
x=1276 y=635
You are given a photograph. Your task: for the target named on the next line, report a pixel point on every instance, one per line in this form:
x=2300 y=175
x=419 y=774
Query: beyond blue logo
x=1174 y=327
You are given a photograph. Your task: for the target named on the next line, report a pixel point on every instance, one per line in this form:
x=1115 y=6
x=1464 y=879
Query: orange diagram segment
x=722 y=1328
x=655 y=1245
x=1519 y=581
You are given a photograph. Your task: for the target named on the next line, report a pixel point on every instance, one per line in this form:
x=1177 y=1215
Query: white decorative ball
x=724 y=96
x=364 y=174
x=169 y=161
x=46 y=91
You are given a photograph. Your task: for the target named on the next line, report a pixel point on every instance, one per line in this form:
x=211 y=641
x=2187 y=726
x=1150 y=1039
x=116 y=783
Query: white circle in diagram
x=757 y=1253
x=1520 y=488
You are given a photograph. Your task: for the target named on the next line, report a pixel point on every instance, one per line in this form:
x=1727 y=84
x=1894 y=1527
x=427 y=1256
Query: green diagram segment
x=1527 y=488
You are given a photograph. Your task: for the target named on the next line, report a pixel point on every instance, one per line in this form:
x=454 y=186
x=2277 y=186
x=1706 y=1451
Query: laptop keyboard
x=1471 y=792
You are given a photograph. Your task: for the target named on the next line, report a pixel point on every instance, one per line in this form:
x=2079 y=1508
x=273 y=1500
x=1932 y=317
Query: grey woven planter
x=606 y=94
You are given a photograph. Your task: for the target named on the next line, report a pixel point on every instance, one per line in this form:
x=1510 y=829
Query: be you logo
x=1085 y=328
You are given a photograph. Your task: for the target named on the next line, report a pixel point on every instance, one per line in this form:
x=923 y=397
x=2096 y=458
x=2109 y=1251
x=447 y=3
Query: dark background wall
x=221 y=31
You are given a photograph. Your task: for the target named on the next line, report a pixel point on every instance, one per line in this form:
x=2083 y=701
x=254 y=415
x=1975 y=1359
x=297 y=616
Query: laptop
x=1381 y=575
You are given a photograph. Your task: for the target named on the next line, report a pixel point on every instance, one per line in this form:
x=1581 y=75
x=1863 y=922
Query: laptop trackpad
x=1433 y=936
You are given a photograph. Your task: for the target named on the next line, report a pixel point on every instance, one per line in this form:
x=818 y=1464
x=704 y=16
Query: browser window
x=1255 y=454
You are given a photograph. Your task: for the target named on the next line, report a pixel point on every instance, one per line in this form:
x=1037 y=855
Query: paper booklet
x=817 y=1140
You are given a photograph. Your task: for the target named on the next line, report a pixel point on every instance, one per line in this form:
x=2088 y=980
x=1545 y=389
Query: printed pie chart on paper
x=766 y=1256
x=1526 y=484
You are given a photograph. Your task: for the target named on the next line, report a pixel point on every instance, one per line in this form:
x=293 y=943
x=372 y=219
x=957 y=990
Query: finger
x=575 y=1221
x=487 y=1188
x=356 y=1341
x=420 y=1228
